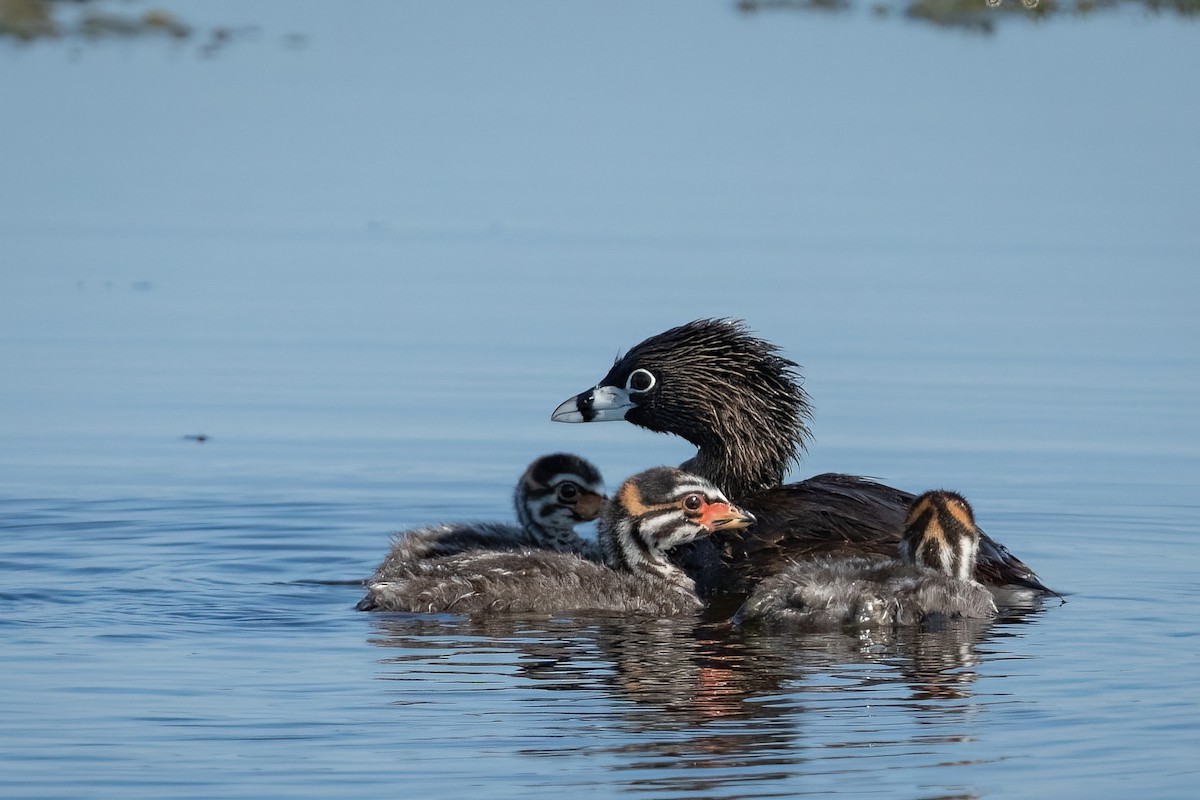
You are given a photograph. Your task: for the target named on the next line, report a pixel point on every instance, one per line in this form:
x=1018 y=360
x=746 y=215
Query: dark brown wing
x=832 y=513
x=826 y=514
x=996 y=566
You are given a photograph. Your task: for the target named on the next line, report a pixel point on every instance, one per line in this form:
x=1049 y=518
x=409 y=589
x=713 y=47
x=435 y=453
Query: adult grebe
x=742 y=405
x=651 y=513
x=932 y=580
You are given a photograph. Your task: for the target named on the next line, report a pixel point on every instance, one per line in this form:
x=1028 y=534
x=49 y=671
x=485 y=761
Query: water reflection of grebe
x=651 y=513
x=689 y=699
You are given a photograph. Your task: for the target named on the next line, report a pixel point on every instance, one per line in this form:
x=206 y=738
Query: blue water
x=368 y=269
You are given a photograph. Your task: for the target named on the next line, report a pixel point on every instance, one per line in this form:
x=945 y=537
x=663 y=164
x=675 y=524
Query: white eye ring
x=640 y=380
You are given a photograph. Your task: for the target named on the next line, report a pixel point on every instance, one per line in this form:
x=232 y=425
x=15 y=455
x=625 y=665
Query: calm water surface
x=175 y=629
x=371 y=303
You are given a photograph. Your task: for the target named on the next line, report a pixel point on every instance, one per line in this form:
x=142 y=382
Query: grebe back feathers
x=931 y=580
x=555 y=493
x=652 y=512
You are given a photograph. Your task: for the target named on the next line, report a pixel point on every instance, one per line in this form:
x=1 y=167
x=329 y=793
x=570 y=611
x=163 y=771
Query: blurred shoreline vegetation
x=980 y=16
x=86 y=21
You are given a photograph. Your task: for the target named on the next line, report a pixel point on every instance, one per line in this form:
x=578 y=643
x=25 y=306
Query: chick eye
x=640 y=380
x=693 y=502
x=568 y=491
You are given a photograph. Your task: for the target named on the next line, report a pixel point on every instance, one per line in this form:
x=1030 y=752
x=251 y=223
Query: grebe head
x=724 y=390
x=940 y=533
x=659 y=509
x=556 y=493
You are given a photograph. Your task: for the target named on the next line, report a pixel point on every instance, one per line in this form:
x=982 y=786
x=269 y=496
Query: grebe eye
x=693 y=502
x=640 y=380
x=568 y=491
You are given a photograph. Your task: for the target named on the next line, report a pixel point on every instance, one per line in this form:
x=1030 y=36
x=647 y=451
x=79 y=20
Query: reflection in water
x=704 y=705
